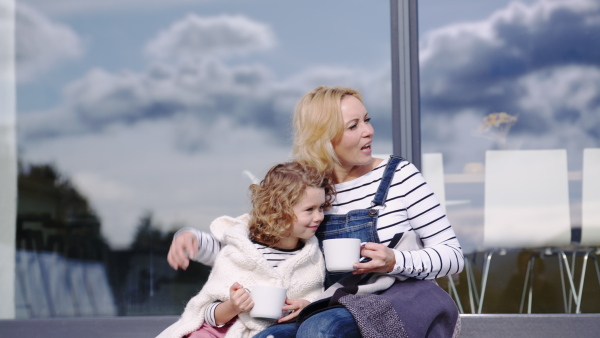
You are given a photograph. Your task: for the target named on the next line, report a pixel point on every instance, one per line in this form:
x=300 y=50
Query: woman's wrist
x=397 y=268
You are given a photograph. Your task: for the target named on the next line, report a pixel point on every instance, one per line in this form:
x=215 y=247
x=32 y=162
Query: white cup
x=268 y=301
x=341 y=254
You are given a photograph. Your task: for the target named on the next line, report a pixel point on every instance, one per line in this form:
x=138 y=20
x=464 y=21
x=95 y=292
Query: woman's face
x=354 y=147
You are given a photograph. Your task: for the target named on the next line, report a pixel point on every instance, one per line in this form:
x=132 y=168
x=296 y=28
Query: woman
x=387 y=204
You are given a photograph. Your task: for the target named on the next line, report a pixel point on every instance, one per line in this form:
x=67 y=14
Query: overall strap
x=386 y=180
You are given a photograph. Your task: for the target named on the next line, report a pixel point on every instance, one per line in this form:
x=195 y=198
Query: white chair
x=590 y=213
x=526 y=206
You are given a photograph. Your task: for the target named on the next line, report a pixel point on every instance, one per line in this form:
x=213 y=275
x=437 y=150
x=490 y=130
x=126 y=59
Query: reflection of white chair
x=433 y=172
x=590 y=208
x=526 y=206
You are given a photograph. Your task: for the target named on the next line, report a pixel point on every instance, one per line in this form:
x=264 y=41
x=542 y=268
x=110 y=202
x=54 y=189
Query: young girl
x=274 y=245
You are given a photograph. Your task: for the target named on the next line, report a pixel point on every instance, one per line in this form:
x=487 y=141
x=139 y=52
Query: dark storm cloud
x=477 y=64
x=539 y=62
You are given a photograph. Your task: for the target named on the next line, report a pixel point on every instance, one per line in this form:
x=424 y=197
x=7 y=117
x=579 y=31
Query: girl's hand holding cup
x=240 y=298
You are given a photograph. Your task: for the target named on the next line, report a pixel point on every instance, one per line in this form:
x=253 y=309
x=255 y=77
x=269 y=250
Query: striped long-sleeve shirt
x=410 y=206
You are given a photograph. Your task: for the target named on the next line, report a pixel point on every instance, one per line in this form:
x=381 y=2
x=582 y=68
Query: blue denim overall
x=359 y=223
x=321 y=319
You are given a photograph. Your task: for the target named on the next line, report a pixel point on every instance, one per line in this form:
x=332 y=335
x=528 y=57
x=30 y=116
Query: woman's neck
x=343 y=173
x=347 y=174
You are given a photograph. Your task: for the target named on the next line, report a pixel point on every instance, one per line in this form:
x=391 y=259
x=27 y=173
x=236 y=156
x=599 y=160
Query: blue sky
x=160 y=105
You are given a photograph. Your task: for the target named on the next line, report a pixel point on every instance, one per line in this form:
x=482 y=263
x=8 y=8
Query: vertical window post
x=406 y=125
x=8 y=159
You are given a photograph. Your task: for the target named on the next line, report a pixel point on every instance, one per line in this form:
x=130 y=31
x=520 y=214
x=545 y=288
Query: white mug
x=341 y=254
x=268 y=301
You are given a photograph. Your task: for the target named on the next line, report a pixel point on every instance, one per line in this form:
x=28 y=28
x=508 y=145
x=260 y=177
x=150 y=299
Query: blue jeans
x=332 y=323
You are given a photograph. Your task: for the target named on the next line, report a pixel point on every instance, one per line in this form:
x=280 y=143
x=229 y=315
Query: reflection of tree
x=496 y=126
x=142 y=279
x=61 y=255
x=147 y=235
x=148 y=242
x=54 y=216
x=46 y=179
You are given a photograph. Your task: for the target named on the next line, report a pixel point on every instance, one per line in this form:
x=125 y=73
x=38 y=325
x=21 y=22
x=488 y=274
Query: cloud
x=468 y=70
x=70 y=7
x=475 y=64
x=566 y=102
x=533 y=61
x=195 y=38
x=203 y=91
x=103 y=189
x=42 y=44
x=192 y=97
x=129 y=170
x=190 y=85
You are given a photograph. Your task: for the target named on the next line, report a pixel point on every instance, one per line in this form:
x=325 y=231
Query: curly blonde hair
x=273 y=200
x=317 y=122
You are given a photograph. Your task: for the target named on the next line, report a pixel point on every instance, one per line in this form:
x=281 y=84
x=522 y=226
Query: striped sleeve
x=209 y=314
x=442 y=254
x=208 y=245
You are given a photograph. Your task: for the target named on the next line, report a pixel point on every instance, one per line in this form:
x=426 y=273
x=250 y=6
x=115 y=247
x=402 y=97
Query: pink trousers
x=207 y=331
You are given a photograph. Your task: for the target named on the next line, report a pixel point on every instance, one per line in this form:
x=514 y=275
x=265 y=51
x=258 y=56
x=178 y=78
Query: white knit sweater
x=239 y=261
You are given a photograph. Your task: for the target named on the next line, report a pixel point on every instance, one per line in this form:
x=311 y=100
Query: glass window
x=137 y=118
x=498 y=77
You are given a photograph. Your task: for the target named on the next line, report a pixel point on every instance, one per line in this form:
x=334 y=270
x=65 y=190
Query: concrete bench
x=475 y=326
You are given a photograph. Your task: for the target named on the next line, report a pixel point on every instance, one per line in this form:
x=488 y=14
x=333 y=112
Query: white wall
x=8 y=159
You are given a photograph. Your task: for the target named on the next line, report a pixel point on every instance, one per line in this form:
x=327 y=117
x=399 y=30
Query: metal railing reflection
x=49 y=285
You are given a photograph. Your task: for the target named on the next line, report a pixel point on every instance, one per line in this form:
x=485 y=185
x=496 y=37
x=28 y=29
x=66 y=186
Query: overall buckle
x=374 y=209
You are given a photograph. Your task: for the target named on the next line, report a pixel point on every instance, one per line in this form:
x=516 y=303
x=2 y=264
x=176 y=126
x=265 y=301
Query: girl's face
x=354 y=147
x=309 y=214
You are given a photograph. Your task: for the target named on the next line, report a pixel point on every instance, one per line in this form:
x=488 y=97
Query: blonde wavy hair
x=317 y=122
x=273 y=200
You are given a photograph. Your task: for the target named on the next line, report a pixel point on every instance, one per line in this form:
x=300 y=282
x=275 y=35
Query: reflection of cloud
x=132 y=169
x=475 y=63
x=42 y=43
x=202 y=91
x=194 y=38
x=562 y=109
x=562 y=96
x=101 y=188
x=66 y=7
x=534 y=61
x=193 y=92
